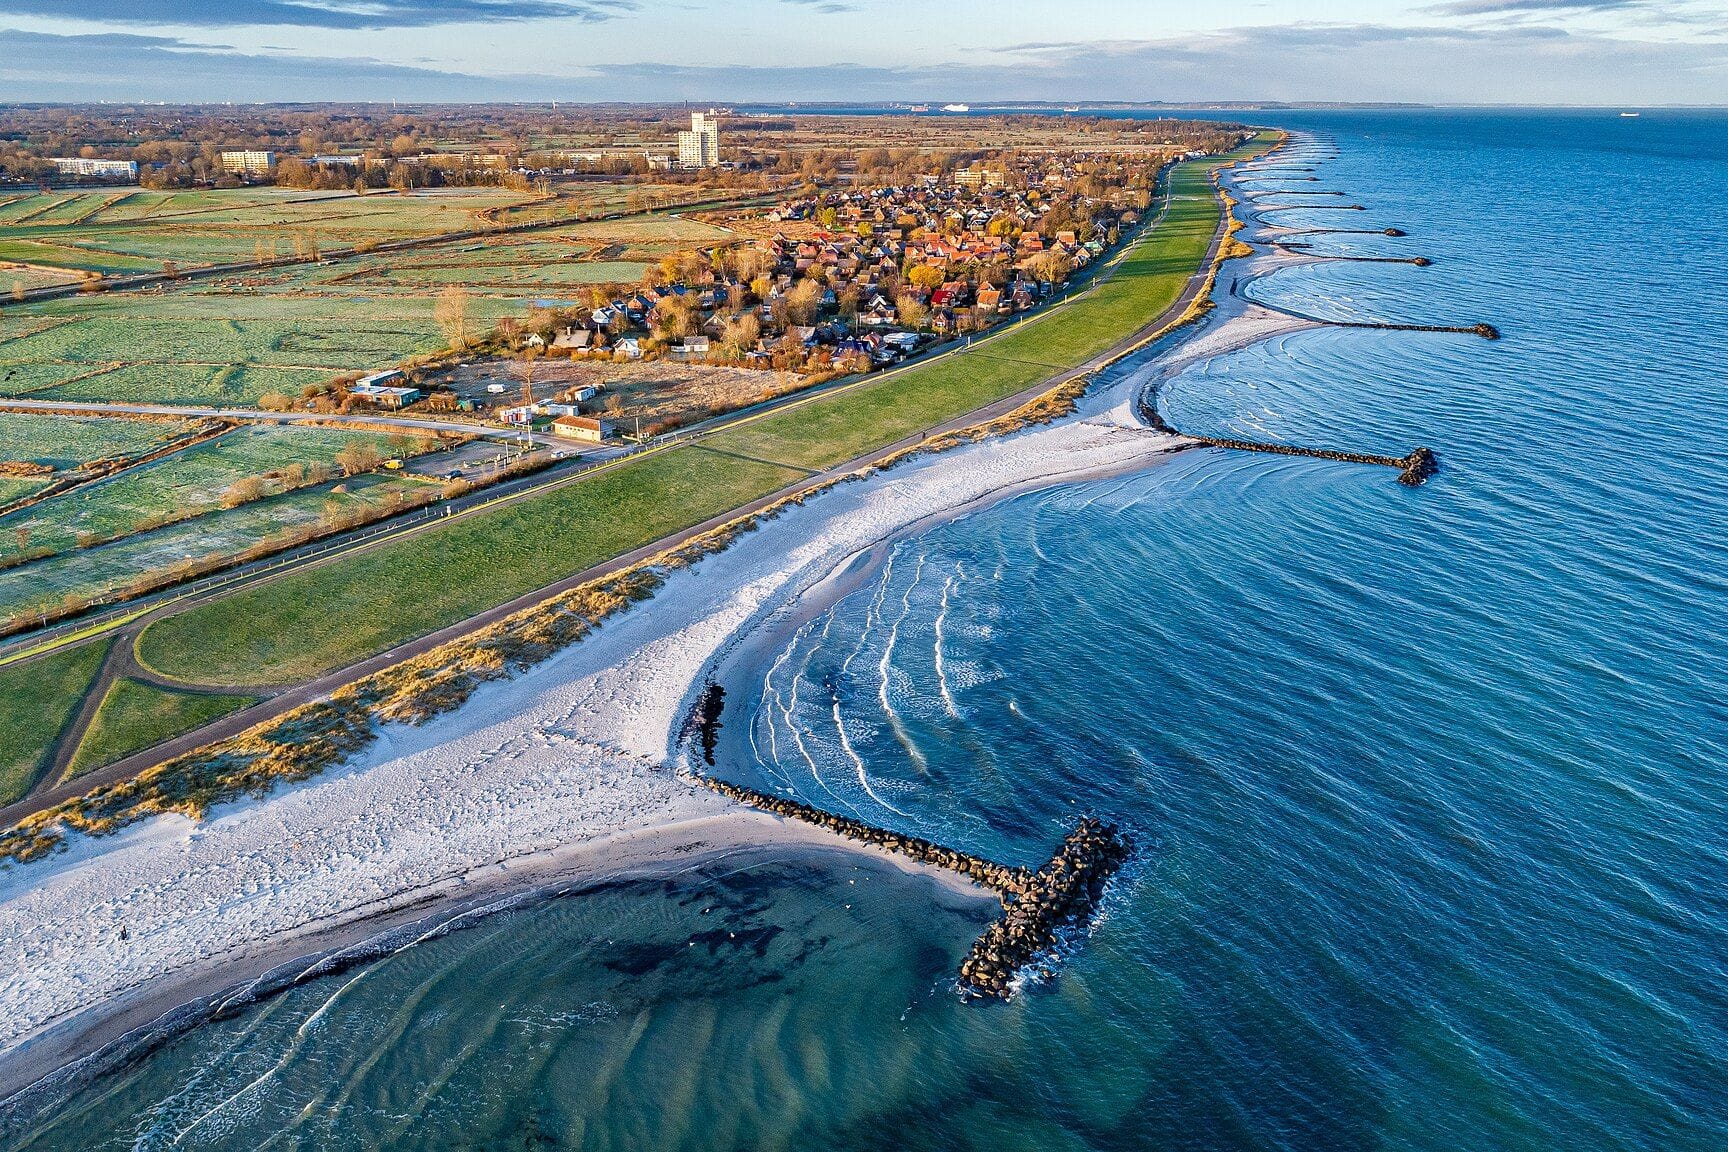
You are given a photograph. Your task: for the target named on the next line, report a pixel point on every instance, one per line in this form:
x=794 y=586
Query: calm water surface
x=1428 y=784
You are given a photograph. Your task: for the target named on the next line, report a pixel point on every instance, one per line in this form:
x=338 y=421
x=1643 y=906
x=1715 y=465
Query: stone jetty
x=1060 y=896
x=1005 y=881
x=1037 y=907
x=1413 y=469
x=1486 y=331
x=1308 y=250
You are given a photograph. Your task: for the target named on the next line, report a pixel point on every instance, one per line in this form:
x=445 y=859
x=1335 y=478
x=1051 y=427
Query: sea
x=1428 y=786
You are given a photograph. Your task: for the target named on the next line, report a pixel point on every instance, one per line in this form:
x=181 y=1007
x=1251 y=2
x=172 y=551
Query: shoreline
x=111 y=1036
x=586 y=733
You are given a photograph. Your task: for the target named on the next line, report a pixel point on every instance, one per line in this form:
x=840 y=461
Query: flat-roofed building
x=588 y=428
x=250 y=162
x=103 y=169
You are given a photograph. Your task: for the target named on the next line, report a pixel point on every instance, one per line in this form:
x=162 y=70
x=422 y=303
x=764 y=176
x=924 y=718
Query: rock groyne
x=703 y=723
x=1486 y=331
x=1037 y=907
x=1413 y=468
x=1005 y=881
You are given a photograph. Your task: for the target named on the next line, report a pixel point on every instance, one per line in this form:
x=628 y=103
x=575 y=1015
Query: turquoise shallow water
x=1428 y=784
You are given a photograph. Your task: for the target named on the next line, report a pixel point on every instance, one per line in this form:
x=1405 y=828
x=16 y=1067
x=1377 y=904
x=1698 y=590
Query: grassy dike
x=37 y=699
x=296 y=627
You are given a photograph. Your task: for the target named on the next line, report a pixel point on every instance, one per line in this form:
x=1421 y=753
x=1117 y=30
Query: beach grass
x=37 y=698
x=314 y=621
x=134 y=716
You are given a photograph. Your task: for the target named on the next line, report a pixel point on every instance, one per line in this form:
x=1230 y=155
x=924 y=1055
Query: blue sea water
x=1428 y=784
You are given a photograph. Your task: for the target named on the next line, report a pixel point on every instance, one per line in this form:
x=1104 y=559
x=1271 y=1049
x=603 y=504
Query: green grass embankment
x=311 y=622
x=134 y=716
x=308 y=622
x=37 y=698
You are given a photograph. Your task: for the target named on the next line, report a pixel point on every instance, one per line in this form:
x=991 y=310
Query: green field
x=91 y=573
x=134 y=716
x=135 y=232
x=68 y=441
x=297 y=627
x=230 y=340
x=37 y=698
x=187 y=483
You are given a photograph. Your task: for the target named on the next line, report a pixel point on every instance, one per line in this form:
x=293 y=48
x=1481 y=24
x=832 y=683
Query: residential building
x=103 y=169
x=700 y=147
x=980 y=176
x=247 y=163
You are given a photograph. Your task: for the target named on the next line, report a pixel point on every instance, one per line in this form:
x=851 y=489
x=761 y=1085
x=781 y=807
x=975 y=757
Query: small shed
x=591 y=429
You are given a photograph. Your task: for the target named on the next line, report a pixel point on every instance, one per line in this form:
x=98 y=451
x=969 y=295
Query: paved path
x=259 y=416
x=237 y=722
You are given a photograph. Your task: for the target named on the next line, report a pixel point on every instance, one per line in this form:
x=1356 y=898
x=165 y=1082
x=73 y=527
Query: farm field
x=185 y=484
x=37 y=698
x=68 y=441
x=83 y=574
x=230 y=341
x=311 y=622
x=134 y=716
x=136 y=231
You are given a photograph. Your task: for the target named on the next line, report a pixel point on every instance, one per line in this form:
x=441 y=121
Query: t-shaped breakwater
x=1037 y=907
x=1308 y=250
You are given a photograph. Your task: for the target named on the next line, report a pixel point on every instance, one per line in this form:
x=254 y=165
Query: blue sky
x=1445 y=51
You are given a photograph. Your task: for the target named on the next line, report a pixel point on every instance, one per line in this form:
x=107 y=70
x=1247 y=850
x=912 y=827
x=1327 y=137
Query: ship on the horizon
x=1630 y=115
x=956 y=107
x=920 y=107
x=1072 y=108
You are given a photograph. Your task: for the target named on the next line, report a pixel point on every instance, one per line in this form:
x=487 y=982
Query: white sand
x=572 y=753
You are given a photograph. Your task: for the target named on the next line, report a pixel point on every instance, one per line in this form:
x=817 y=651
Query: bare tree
x=525 y=369
x=451 y=316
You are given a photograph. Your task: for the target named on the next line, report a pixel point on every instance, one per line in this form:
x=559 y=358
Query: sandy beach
x=567 y=773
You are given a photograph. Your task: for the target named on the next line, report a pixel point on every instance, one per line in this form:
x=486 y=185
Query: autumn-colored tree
x=741 y=334
x=803 y=302
x=926 y=276
x=360 y=456
x=243 y=491
x=912 y=313
x=1050 y=267
x=673 y=318
x=525 y=373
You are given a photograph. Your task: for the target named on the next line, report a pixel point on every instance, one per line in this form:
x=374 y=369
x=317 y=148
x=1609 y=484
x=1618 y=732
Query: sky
x=1583 y=52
